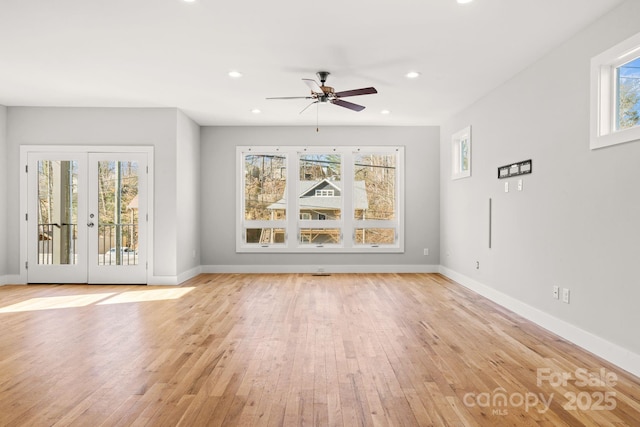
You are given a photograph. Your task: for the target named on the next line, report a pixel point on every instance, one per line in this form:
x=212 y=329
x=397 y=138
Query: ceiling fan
x=326 y=94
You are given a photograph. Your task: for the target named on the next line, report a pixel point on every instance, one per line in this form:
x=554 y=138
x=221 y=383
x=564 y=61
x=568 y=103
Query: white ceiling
x=168 y=53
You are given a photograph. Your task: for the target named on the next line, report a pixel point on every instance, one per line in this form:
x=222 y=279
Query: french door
x=87 y=217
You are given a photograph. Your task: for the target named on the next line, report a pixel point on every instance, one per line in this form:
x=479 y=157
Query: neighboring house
x=318 y=200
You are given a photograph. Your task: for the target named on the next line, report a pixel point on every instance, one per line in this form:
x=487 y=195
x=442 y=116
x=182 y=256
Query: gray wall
x=3 y=193
x=100 y=126
x=219 y=174
x=188 y=194
x=575 y=224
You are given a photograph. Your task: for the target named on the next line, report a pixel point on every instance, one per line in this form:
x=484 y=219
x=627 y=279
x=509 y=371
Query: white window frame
x=459 y=138
x=242 y=225
x=294 y=222
x=603 y=132
x=398 y=222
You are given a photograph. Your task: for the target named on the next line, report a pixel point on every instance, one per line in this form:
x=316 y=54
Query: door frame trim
x=86 y=149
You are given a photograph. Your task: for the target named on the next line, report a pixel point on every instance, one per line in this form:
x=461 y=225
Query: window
x=343 y=199
x=374 y=207
x=461 y=154
x=615 y=94
x=264 y=210
x=628 y=95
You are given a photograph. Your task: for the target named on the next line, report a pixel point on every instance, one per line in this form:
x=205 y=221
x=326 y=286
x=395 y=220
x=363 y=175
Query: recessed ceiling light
x=256 y=111
x=235 y=74
x=464 y=1
x=412 y=75
x=385 y=112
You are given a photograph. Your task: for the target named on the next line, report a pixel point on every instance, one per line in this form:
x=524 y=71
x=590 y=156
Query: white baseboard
x=15 y=279
x=162 y=280
x=175 y=280
x=189 y=274
x=11 y=279
x=609 y=351
x=265 y=269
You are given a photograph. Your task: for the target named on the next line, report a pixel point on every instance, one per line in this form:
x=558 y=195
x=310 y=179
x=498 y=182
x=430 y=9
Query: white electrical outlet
x=565 y=295
x=556 y=292
x=519 y=185
x=426 y=251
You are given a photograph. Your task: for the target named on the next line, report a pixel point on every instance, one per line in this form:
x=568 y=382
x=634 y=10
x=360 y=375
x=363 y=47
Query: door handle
x=90 y=224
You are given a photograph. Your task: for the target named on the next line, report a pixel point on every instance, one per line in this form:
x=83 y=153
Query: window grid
x=365 y=182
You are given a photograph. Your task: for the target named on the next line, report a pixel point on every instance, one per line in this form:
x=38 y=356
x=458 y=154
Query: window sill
x=614 y=138
x=325 y=249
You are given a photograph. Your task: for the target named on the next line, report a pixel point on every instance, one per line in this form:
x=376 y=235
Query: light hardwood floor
x=293 y=349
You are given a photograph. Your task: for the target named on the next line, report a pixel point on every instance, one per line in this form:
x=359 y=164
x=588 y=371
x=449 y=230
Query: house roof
x=325 y=202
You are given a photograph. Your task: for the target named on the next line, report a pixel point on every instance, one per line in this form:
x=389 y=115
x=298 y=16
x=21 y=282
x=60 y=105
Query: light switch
x=519 y=185
x=506 y=187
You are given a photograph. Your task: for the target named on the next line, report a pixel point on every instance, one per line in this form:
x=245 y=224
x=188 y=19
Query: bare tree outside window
x=118 y=212
x=264 y=184
x=378 y=173
x=57 y=211
x=628 y=111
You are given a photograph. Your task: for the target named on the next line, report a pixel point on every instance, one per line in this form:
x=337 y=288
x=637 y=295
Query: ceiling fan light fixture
x=412 y=75
x=322 y=94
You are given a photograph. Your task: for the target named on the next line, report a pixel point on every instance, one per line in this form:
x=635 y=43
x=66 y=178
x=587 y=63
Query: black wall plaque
x=515 y=169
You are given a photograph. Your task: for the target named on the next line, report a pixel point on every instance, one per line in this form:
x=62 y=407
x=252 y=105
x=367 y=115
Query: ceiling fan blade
x=314 y=102
x=349 y=105
x=356 y=92
x=292 y=97
x=314 y=86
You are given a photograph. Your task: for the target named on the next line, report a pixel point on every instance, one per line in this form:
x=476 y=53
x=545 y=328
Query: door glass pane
x=117 y=213
x=264 y=186
x=320 y=186
x=57 y=211
x=375 y=186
